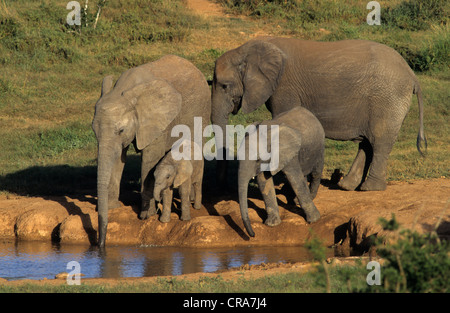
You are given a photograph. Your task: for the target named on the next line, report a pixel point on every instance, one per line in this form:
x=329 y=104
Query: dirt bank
x=347 y=217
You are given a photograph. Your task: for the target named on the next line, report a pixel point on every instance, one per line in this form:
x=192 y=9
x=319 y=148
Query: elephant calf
x=182 y=174
x=300 y=153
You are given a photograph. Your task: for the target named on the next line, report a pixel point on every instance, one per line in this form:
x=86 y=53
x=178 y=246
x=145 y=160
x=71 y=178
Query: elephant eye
x=225 y=86
x=120 y=131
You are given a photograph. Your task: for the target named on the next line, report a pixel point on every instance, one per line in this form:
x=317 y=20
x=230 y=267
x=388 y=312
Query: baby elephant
x=186 y=174
x=301 y=142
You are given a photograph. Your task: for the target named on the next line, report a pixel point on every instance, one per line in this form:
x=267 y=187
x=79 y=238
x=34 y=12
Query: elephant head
x=138 y=112
x=243 y=78
x=283 y=147
x=171 y=173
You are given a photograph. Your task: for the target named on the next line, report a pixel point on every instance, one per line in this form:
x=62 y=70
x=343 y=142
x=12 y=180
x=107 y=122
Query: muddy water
x=38 y=260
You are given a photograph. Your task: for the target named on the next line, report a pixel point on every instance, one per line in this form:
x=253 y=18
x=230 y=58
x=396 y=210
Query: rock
x=39 y=223
x=365 y=226
x=79 y=229
x=344 y=214
x=62 y=275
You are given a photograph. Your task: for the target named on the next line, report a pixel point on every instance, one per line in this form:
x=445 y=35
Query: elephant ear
x=284 y=143
x=184 y=172
x=107 y=84
x=262 y=69
x=157 y=104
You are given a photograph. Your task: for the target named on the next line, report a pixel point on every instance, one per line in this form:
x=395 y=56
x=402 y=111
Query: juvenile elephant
x=144 y=105
x=300 y=153
x=359 y=90
x=184 y=174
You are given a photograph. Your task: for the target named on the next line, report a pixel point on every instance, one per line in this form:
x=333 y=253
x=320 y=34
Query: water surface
x=38 y=260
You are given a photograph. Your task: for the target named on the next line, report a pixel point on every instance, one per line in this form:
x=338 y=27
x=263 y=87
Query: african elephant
x=301 y=144
x=144 y=105
x=359 y=90
x=186 y=174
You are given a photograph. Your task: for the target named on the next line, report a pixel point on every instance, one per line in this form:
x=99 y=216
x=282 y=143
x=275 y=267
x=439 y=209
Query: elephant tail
x=421 y=139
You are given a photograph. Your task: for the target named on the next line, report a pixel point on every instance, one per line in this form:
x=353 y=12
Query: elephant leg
x=384 y=133
x=149 y=159
x=270 y=199
x=167 y=205
x=299 y=184
x=376 y=180
x=185 y=191
x=192 y=194
x=197 y=187
x=148 y=204
x=359 y=168
x=116 y=177
x=316 y=175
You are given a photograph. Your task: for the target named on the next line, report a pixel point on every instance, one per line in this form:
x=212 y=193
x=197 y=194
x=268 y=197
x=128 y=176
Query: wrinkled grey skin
x=359 y=90
x=142 y=107
x=301 y=153
x=187 y=176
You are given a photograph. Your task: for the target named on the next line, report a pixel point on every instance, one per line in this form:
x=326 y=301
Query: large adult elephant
x=359 y=90
x=143 y=106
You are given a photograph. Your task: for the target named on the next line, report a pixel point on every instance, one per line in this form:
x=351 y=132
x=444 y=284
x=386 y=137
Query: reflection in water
x=37 y=260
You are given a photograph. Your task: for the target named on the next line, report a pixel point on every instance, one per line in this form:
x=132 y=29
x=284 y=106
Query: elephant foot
x=272 y=220
x=114 y=204
x=312 y=214
x=148 y=208
x=373 y=185
x=185 y=217
x=164 y=218
x=145 y=215
x=348 y=183
x=197 y=206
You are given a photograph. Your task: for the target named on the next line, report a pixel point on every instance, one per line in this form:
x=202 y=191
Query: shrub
x=298 y=12
x=414 y=262
x=431 y=54
x=416 y=14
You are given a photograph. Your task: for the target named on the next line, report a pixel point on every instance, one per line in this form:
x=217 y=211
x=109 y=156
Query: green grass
x=51 y=75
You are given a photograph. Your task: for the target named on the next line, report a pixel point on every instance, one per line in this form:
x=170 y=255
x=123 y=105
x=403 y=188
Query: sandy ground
x=348 y=218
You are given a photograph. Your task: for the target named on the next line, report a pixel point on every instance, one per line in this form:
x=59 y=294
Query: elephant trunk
x=106 y=159
x=243 y=180
x=157 y=193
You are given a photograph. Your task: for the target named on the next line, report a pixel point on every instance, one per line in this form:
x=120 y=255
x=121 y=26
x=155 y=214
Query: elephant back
x=310 y=131
x=193 y=87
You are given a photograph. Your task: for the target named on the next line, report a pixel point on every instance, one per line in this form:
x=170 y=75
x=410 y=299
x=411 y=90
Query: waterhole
x=39 y=260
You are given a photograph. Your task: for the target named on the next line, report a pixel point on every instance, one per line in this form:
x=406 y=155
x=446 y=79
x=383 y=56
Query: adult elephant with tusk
x=144 y=105
x=359 y=90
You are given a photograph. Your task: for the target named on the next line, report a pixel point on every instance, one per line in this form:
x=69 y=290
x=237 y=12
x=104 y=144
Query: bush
x=416 y=14
x=433 y=53
x=414 y=262
x=298 y=12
